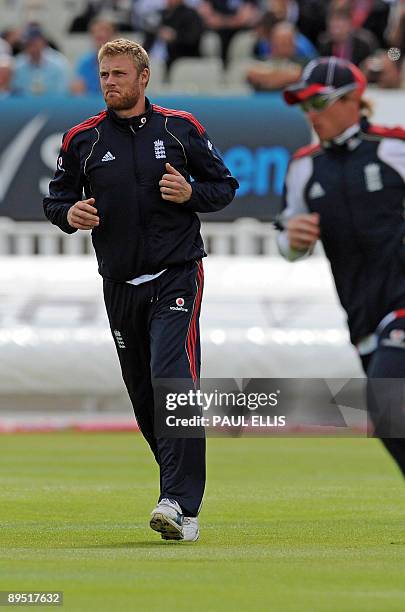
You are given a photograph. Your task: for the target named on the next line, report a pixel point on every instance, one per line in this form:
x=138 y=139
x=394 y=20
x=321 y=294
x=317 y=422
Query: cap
x=326 y=75
x=31 y=32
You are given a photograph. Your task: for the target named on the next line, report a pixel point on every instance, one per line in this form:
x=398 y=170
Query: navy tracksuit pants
x=155 y=326
x=388 y=362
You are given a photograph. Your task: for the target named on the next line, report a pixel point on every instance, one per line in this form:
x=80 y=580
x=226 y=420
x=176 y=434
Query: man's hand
x=303 y=231
x=174 y=187
x=83 y=215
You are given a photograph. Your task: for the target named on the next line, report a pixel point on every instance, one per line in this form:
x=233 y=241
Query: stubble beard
x=125 y=101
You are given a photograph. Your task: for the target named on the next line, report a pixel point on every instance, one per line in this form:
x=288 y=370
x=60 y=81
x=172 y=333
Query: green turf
x=288 y=524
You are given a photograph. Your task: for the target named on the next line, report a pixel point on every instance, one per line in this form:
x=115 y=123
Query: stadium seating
x=197 y=75
x=241 y=46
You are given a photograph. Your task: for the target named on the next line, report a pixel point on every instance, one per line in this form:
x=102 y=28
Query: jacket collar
x=348 y=140
x=132 y=123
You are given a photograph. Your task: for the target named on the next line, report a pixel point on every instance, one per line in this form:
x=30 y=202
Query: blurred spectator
x=342 y=41
x=380 y=70
x=5 y=47
x=396 y=27
x=87 y=73
x=283 y=67
x=227 y=17
x=370 y=15
x=309 y=16
x=13 y=36
x=179 y=30
x=146 y=14
x=119 y=10
x=262 y=49
x=6 y=74
x=40 y=69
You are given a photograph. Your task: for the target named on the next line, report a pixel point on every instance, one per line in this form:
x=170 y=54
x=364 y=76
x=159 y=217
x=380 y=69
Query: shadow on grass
x=149 y=544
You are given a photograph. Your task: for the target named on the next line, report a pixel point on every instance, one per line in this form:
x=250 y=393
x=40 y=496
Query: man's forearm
x=57 y=214
x=211 y=196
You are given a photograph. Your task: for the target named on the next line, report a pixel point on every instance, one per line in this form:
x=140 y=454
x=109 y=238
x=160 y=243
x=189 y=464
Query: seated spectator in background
x=146 y=14
x=262 y=49
x=227 y=17
x=283 y=68
x=5 y=47
x=309 y=16
x=39 y=69
x=370 y=15
x=381 y=71
x=396 y=27
x=13 y=37
x=179 y=31
x=342 y=41
x=87 y=79
x=6 y=75
x=120 y=9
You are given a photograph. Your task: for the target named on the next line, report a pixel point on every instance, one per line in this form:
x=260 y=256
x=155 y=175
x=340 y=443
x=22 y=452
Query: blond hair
x=123 y=46
x=366 y=107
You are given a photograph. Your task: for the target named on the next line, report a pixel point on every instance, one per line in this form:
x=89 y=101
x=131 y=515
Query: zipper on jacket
x=140 y=211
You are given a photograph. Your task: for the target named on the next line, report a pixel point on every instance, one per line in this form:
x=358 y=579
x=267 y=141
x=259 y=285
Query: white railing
x=242 y=237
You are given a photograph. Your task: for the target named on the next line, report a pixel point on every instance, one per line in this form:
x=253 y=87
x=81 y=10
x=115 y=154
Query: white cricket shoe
x=191 y=533
x=167 y=519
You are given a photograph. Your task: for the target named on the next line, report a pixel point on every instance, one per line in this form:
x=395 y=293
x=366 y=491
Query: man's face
x=35 y=47
x=283 y=44
x=336 y=118
x=339 y=29
x=102 y=32
x=121 y=84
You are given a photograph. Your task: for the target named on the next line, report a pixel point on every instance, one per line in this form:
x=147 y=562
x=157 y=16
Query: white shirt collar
x=347 y=134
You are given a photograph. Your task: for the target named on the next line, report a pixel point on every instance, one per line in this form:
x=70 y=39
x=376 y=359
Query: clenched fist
x=174 y=187
x=303 y=231
x=83 y=215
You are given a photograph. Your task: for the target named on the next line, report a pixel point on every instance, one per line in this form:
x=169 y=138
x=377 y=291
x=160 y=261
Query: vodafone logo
x=397 y=335
x=396 y=339
x=179 y=305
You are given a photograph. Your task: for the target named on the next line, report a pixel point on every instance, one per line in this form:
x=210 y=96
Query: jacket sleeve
x=294 y=203
x=213 y=186
x=65 y=189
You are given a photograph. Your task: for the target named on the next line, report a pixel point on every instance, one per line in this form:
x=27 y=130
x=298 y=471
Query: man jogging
x=349 y=191
x=134 y=162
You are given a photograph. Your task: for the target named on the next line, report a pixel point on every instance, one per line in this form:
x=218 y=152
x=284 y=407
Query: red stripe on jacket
x=387 y=132
x=169 y=112
x=308 y=150
x=81 y=127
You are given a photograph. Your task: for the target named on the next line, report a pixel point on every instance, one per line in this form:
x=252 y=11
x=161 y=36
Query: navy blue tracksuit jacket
x=119 y=162
x=358 y=189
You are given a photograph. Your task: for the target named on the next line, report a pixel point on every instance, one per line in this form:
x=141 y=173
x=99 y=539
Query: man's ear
x=145 y=76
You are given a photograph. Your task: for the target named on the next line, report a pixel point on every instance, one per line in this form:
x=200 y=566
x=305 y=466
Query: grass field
x=288 y=524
